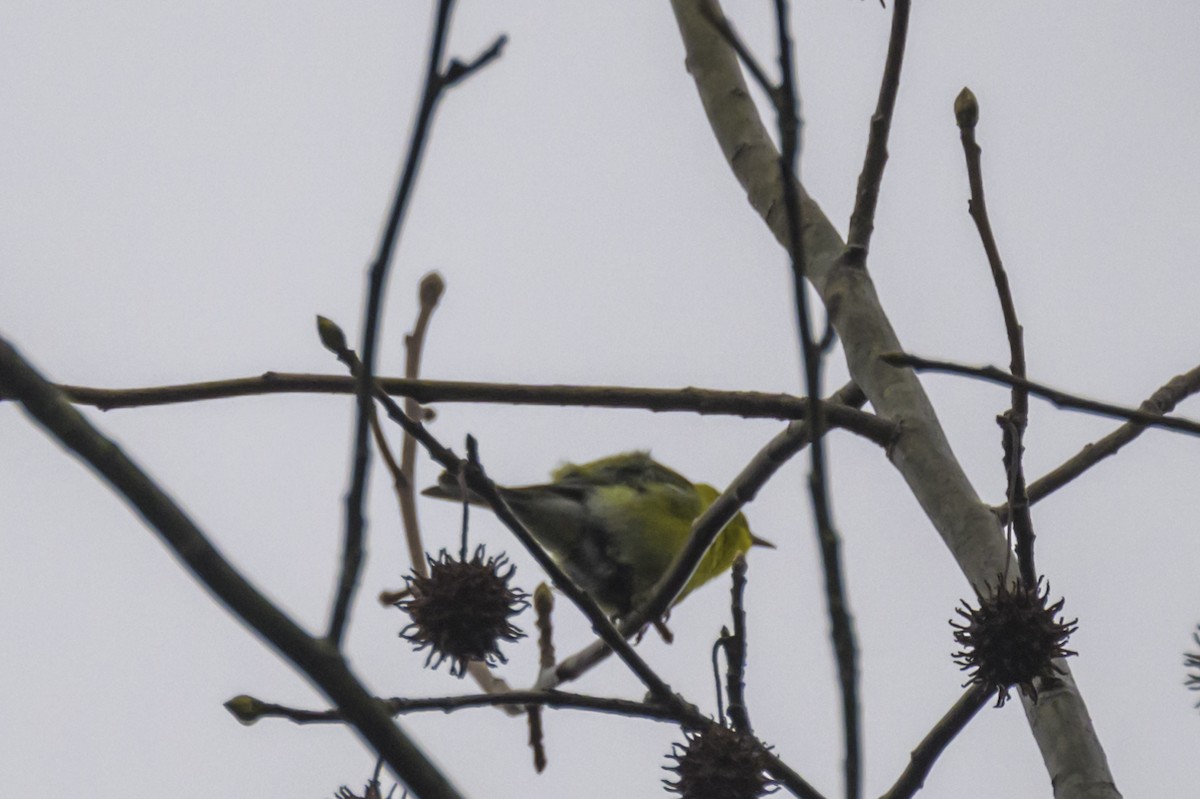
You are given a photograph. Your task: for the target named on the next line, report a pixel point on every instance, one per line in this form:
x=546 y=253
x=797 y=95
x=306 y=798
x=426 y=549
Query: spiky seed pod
x=1012 y=638
x=372 y=791
x=1191 y=660
x=719 y=763
x=461 y=611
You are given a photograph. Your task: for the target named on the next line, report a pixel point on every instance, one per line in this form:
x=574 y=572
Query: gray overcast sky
x=185 y=185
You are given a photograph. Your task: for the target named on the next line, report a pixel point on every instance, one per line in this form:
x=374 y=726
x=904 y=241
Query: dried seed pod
x=461 y=611
x=1012 y=639
x=719 y=763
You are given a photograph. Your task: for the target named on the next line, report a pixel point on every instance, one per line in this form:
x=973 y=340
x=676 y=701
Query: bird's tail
x=449 y=488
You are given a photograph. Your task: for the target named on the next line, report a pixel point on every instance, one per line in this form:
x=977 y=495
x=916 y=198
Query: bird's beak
x=755 y=541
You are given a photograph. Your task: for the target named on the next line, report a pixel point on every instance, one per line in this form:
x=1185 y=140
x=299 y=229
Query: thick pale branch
x=921 y=453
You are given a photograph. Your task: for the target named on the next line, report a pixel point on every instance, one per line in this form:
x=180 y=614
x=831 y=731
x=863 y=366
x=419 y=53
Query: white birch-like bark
x=1060 y=723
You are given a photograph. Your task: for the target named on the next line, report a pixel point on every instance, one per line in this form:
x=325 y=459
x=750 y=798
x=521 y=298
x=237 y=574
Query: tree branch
x=1160 y=402
x=862 y=220
x=250 y=710
x=435 y=85
x=921 y=453
x=1013 y=423
x=735 y=652
x=430 y=291
x=316 y=658
x=1058 y=398
x=747 y=404
x=932 y=745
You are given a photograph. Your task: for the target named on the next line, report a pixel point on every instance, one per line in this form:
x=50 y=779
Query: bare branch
x=1013 y=423
x=316 y=658
x=747 y=404
x=1160 y=402
x=735 y=652
x=249 y=710
x=435 y=85
x=1058 y=398
x=862 y=220
x=429 y=293
x=931 y=747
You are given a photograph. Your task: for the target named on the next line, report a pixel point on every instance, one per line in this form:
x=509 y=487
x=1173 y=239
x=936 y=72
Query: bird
x=615 y=524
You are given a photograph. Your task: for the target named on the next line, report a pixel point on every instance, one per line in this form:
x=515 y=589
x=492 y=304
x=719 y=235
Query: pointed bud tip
x=246 y=709
x=966 y=109
x=332 y=337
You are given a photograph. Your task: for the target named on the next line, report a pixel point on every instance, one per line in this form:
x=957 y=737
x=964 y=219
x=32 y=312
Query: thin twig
x=722 y=26
x=932 y=745
x=719 y=690
x=435 y=84
x=537 y=739
x=1058 y=398
x=1013 y=423
x=1160 y=402
x=250 y=710
x=747 y=404
x=430 y=291
x=322 y=663
x=352 y=548
x=543 y=606
x=735 y=652
x=862 y=220
x=841 y=622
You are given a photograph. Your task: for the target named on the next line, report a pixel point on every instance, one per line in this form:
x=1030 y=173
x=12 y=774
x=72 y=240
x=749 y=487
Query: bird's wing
x=634 y=469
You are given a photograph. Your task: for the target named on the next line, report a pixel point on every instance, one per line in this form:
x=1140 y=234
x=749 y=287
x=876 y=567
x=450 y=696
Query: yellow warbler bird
x=616 y=524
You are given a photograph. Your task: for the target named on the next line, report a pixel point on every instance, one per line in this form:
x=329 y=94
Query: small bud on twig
x=966 y=109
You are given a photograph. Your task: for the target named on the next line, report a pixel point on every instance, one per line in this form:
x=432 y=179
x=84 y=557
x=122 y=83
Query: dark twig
x=719 y=691
x=1014 y=422
x=841 y=622
x=457 y=71
x=543 y=606
x=321 y=662
x=712 y=14
x=735 y=653
x=1161 y=401
x=1058 y=398
x=249 y=710
x=257 y=709
x=537 y=740
x=747 y=404
x=931 y=747
x=435 y=84
x=862 y=220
